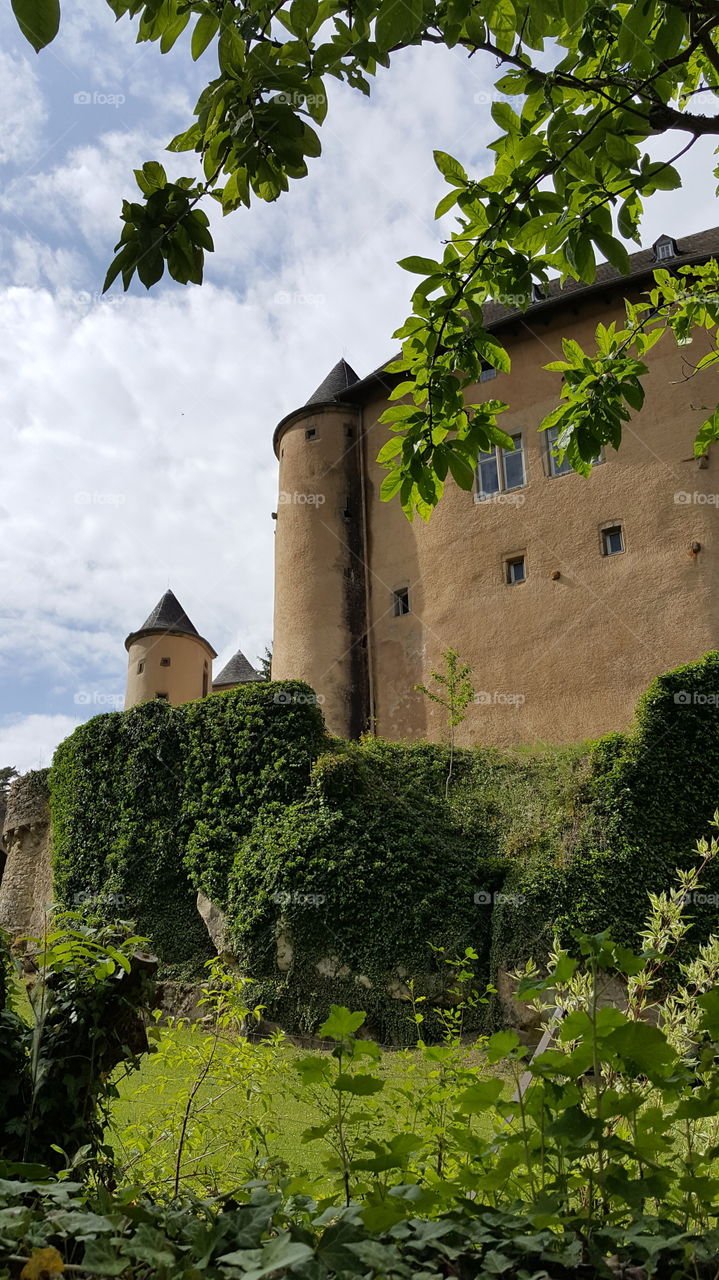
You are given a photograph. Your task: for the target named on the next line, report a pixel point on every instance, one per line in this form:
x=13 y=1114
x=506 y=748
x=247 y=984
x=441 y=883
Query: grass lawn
x=246 y=1110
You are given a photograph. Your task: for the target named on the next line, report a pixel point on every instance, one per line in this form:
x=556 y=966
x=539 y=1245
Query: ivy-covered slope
x=341 y=867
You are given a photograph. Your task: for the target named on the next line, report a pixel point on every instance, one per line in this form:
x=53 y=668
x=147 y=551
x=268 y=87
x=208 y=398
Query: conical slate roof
x=337 y=381
x=236 y=671
x=168 y=615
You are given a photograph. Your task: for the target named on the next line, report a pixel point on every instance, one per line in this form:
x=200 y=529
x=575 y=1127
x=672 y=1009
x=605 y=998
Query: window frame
x=400 y=597
x=552 y=464
x=509 y=563
x=605 y=532
x=500 y=453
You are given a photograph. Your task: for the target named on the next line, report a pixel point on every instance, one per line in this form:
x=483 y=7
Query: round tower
x=167 y=657
x=320 y=628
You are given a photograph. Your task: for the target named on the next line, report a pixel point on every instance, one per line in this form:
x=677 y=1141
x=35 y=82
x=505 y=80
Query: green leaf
x=420 y=266
x=39 y=20
x=479 y=1097
x=398 y=22
x=362 y=1085
x=101 y=1258
x=502 y=1045
x=206 y=29
x=450 y=169
x=391 y=485
x=342 y=1024
x=462 y=472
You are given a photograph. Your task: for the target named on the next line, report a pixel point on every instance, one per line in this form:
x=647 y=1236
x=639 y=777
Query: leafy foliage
x=89 y=984
x=339 y=894
x=591 y=85
x=148 y=805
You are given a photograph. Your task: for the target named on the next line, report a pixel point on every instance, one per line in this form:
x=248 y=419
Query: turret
x=320 y=628
x=236 y=671
x=168 y=658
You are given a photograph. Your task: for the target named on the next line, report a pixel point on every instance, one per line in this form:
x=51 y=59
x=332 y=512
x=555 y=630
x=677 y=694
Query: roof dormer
x=665 y=248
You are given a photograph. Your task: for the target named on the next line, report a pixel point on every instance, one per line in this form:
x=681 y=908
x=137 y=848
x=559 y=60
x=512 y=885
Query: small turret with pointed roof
x=167 y=657
x=330 y=391
x=237 y=671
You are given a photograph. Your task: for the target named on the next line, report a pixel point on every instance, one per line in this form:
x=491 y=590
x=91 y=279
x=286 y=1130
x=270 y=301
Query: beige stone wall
x=319 y=562
x=183 y=680
x=557 y=658
x=26 y=886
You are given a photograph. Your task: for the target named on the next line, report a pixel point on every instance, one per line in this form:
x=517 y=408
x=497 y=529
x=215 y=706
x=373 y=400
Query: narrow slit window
x=400 y=601
x=140 y=668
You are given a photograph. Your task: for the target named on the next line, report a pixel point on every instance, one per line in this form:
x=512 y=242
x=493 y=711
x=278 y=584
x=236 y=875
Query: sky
x=136 y=430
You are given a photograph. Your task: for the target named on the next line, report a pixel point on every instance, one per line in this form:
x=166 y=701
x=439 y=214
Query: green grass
x=248 y=1113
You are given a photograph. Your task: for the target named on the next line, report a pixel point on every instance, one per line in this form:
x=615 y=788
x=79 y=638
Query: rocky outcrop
x=26 y=886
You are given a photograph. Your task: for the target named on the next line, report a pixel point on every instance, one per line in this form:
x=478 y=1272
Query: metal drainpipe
x=365 y=555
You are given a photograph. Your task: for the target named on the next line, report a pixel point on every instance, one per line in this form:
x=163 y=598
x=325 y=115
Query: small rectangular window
x=665 y=251
x=612 y=540
x=140 y=668
x=164 y=662
x=488 y=372
x=516 y=570
x=311 y=433
x=164 y=697
x=400 y=601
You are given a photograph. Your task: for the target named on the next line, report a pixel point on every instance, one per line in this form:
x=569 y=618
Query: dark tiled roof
x=336 y=382
x=695 y=248
x=236 y=671
x=168 y=615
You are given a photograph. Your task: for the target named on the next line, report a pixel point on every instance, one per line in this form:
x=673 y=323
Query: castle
x=565 y=595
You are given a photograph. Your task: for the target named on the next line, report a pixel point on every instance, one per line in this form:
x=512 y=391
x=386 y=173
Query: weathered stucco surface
x=26 y=886
x=561 y=656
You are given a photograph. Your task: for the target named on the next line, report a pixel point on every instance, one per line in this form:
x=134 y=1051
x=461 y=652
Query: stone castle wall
x=26 y=886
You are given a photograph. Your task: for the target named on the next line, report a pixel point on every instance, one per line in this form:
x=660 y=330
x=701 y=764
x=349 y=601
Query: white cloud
x=28 y=742
x=22 y=109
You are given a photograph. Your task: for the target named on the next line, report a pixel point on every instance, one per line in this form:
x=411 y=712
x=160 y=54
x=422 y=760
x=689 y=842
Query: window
x=140 y=668
x=500 y=469
x=311 y=433
x=205 y=682
x=612 y=540
x=164 y=662
x=665 y=247
x=488 y=372
x=400 y=602
x=516 y=570
x=164 y=697
x=557 y=468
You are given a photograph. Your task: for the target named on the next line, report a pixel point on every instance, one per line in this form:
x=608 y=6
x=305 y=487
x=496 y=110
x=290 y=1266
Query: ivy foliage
x=148 y=805
x=368 y=880
x=340 y=866
x=647 y=796
x=583 y=90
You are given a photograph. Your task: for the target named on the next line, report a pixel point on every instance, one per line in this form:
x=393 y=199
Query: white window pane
x=488 y=474
x=514 y=465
